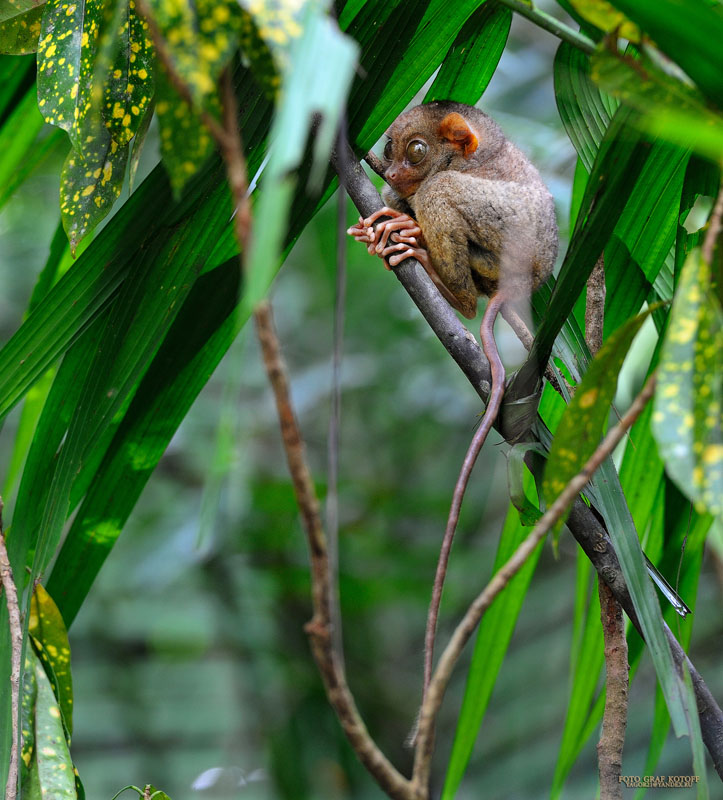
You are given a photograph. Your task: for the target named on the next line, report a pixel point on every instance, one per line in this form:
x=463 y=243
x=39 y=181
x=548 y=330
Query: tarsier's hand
x=394 y=239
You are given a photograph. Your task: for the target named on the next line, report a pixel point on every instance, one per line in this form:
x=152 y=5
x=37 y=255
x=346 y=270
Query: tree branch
x=615 y=715
x=319 y=628
x=582 y=522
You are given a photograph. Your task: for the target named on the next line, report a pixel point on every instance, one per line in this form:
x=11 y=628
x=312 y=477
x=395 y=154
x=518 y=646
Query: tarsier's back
x=486 y=215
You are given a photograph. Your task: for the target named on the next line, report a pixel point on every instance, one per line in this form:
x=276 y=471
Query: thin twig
x=16 y=649
x=332 y=493
x=319 y=628
x=615 y=714
x=471 y=619
x=375 y=163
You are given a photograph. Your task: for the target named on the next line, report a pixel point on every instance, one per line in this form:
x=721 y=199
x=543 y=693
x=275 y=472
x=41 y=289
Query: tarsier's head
x=434 y=137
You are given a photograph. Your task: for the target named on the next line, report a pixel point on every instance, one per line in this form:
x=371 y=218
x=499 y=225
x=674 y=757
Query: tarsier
x=473 y=210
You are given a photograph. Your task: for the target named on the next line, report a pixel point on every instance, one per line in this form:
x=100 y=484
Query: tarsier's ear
x=455 y=129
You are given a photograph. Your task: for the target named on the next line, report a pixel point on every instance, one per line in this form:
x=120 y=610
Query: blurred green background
x=191 y=669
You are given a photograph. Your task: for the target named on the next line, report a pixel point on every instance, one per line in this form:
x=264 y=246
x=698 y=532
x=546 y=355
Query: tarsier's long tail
x=487 y=337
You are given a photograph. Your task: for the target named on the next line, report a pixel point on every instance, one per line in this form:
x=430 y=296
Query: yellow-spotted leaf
x=185 y=141
x=279 y=23
x=688 y=411
x=14 y=8
x=128 y=87
x=581 y=427
x=259 y=55
x=605 y=16
x=19 y=35
x=90 y=184
x=66 y=61
x=138 y=141
x=47 y=628
x=51 y=770
x=27 y=717
x=200 y=37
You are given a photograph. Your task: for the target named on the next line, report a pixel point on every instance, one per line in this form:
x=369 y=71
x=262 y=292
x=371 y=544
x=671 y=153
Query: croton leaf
x=580 y=430
x=128 y=87
x=199 y=39
x=90 y=184
x=66 y=61
x=688 y=412
x=607 y=18
x=14 y=8
x=185 y=140
x=47 y=628
x=258 y=53
x=51 y=769
x=19 y=35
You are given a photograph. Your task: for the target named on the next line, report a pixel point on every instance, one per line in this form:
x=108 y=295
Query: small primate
x=472 y=209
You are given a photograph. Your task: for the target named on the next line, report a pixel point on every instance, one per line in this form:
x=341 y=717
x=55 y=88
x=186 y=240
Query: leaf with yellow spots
x=48 y=629
x=138 y=142
x=605 y=16
x=200 y=38
x=90 y=185
x=185 y=141
x=14 y=8
x=581 y=427
x=278 y=23
x=19 y=35
x=51 y=773
x=688 y=411
x=27 y=718
x=128 y=85
x=259 y=55
x=66 y=63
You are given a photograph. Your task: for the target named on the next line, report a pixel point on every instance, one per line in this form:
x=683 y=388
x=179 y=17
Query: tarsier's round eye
x=388 y=150
x=416 y=150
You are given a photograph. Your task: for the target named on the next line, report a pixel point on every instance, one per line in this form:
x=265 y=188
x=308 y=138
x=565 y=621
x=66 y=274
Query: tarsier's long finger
x=383 y=212
x=395 y=257
x=404 y=225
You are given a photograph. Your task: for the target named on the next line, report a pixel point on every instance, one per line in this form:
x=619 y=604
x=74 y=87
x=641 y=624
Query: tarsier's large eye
x=416 y=150
x=388 y=150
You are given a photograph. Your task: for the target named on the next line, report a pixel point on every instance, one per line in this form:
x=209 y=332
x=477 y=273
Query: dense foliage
x=119 y=341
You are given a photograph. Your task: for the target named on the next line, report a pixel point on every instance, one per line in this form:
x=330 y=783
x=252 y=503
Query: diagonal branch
x=582 y=522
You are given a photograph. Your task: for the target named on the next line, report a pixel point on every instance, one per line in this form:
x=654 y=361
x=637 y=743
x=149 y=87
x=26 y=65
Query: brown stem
x=595 y=306
x=471 y=619
x=375 y=163
x=16 y=649
x=714 y=226
x=489 y=347
x=319 y=628
x=615 y=716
